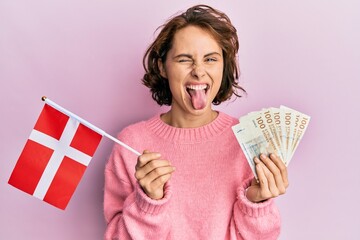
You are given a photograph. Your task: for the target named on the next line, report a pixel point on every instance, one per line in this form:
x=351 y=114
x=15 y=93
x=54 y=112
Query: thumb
x=254 y=182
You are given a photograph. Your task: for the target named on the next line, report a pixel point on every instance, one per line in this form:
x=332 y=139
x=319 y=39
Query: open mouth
x=197 y=87
x=198 y=94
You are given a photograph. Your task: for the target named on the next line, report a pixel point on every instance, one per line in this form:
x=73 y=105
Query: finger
x=145 y=158
x=269 y=164
x=154 y=174
x=261 y=174
x=273 y=185
x=160 y=181
x=274 y=173
x=155 y=190
x=282 y=167
x=151 y=165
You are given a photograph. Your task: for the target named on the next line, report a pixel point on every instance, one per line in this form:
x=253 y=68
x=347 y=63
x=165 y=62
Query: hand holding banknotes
x=272 y=134
x=272 y=178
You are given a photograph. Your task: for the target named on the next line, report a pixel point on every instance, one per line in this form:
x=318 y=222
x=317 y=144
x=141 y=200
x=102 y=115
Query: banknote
x=252 y=141
x=287 y=130
x=301 y=123
x=275 y=129
x=278 y=122
x=271 y=130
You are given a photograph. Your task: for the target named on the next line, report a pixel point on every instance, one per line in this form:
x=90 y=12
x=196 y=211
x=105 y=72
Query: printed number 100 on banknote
x=271 y=130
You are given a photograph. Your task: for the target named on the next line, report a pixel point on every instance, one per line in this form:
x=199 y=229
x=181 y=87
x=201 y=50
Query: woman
x=192 y=181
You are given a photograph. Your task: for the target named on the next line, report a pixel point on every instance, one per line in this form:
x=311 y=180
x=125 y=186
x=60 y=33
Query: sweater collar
x=190 y=135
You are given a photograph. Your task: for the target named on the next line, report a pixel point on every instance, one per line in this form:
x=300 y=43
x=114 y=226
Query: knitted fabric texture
x=205 y=197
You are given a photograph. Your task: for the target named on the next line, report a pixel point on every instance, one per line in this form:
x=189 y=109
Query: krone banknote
x=271 y=130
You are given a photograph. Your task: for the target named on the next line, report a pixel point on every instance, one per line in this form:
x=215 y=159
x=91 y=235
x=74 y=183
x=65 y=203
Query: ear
x=162 y=68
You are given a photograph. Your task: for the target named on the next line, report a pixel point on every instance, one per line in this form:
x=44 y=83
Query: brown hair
x=217 y=24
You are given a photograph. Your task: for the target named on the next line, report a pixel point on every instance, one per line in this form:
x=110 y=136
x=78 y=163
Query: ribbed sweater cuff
x=152 y=206
x=253 y=209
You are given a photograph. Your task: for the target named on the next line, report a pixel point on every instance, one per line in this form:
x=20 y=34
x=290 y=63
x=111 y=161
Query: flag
x=55 y=157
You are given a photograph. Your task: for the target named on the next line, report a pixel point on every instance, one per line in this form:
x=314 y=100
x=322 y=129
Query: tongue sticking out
x=198 y=98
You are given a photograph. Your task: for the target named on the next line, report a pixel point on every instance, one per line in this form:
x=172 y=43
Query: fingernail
x=256 y=160
x=262 y=156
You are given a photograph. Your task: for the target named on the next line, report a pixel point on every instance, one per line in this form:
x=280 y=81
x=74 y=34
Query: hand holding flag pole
x=56 y=155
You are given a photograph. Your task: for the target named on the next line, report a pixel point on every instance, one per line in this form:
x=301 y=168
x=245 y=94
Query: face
x=194 y=69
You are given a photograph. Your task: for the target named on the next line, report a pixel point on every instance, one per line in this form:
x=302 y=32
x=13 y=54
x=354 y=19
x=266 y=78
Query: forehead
x=194 y=39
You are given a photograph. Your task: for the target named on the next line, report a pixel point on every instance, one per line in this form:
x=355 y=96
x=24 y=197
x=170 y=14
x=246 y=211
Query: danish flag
x=55 y=157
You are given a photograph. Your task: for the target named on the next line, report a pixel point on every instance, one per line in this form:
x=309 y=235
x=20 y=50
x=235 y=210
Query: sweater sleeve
x=129 y=212
x=254 y=220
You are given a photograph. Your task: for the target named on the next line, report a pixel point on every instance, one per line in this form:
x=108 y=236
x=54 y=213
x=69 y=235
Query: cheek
x=217 y=71
x=217 y=82
x=175 y=74
x=217 y=76
x=175 y=87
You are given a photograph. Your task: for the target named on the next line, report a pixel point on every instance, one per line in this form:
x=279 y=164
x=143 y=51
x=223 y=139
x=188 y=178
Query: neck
x=188 y=120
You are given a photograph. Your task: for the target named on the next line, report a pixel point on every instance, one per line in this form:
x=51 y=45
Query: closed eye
x=184 y=60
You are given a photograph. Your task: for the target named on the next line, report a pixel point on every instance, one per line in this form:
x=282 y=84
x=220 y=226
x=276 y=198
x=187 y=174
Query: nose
x=198 y=71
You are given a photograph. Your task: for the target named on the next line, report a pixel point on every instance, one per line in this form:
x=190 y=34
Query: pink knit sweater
x=204 y=199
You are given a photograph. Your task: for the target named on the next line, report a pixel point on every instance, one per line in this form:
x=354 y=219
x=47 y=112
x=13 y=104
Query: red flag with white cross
x=57 y=154
x=55 y=157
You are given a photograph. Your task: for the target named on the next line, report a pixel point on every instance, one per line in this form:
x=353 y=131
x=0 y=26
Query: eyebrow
x=190 y=56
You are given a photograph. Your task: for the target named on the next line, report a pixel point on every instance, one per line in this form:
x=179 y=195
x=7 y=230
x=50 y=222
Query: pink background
x=87 y=56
